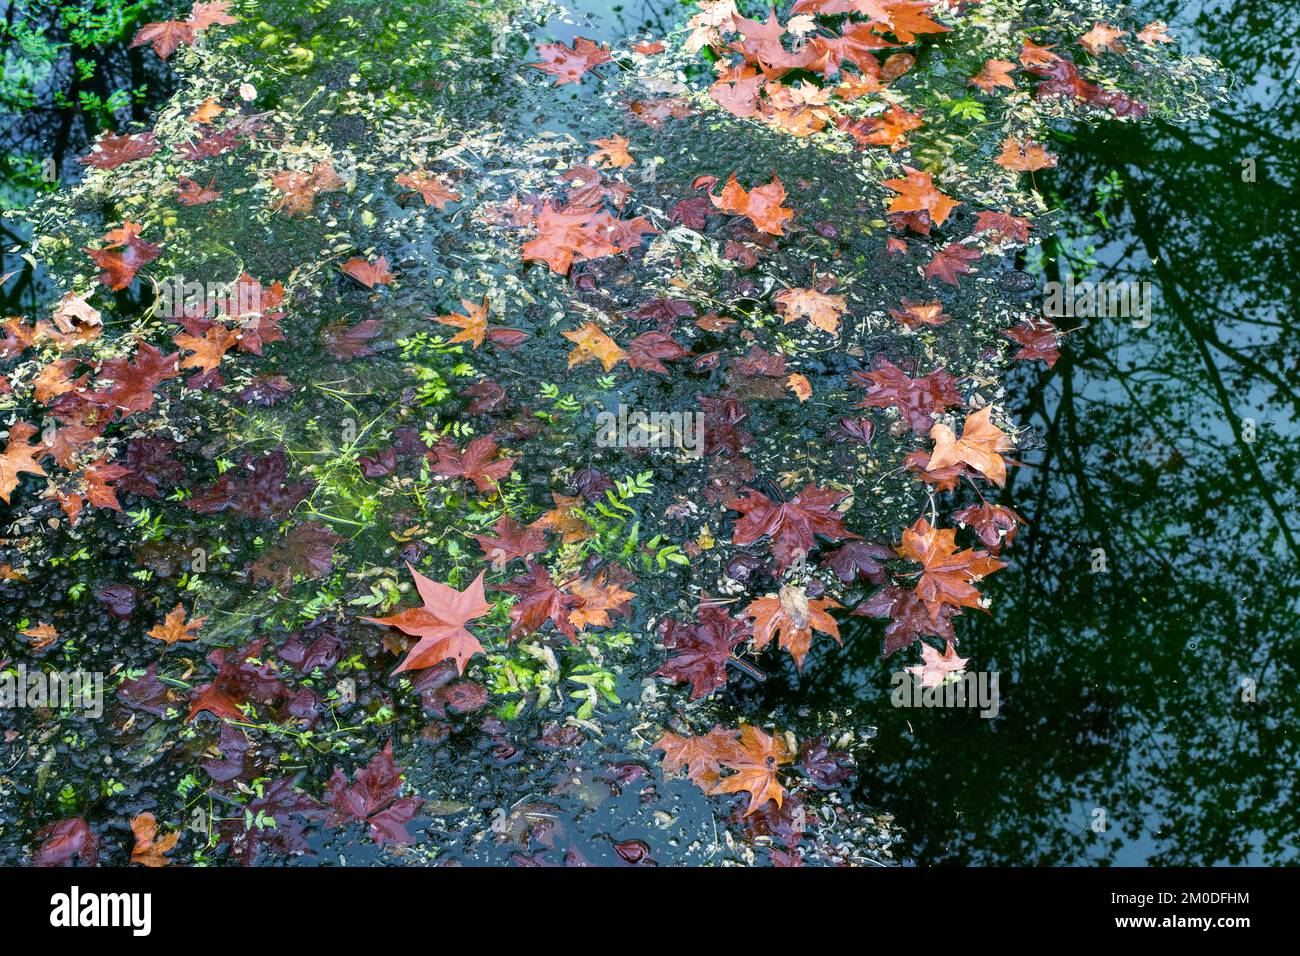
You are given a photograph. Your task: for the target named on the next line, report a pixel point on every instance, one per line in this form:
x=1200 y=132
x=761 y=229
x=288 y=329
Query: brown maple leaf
x=349 y=342
x=1031 y=54
x=123 y=255
x=111 y=150
x=947 y=573
x=908 y=617
x=994 y=525
x=918 y=399
x=1011 y=227
x=133 y=382
x=951 y=261
x=439 y=623
x=935 y=667
x=565 y=520
x=700 y=755
x=430 y=186
x=1103 y=38
x=175 y=628
x=596 y=599
x=701 y=649
x=538 y=600
x=980 y=446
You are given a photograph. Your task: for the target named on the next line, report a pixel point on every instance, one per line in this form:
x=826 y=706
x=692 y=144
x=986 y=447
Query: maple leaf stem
x=747 y=668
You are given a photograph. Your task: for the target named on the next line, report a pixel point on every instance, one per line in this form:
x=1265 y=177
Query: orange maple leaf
x=596 y=598
x=755 y=768
x=820 y=309
x=917 y=192
x=791 y=618
x=301 y=189
x=175 y=629
x=946 y=573
x=995 y=73
x=593 y=345
x=613 y=153
x=1024 y=156
x=762 y=204
x=367 y=273
x=151 y=849
x=472 y=325
x=980 y=446
x=440 y=623
x=19 y=456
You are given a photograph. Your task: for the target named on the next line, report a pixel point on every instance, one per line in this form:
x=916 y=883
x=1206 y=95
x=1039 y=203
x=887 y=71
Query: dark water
x=1126 y=694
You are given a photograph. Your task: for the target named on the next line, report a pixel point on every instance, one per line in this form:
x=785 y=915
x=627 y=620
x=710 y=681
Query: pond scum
x=325 y=455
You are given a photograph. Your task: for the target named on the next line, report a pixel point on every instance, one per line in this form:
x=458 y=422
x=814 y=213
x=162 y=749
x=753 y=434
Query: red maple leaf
x=123 y=255
x=792 y=525
x=908 y=617
x=1038 y=339
x=701 y=649
x=474 y=464
x=372 y=799
x=241 y=676
x=916 y=398
x=951 y=261
x=538 y=600
x=439 y=623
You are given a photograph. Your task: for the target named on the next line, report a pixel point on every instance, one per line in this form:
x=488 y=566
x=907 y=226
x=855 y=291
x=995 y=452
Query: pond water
x=1144 y=632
